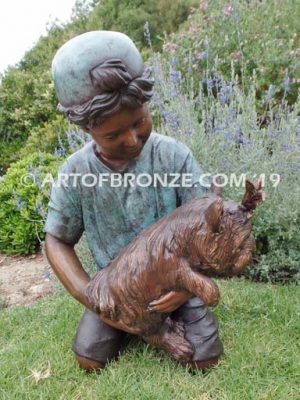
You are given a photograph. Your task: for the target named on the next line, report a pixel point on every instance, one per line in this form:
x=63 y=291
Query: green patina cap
x=73 y=62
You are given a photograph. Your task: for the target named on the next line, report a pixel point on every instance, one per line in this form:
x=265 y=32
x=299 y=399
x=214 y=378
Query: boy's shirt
x=114 y=207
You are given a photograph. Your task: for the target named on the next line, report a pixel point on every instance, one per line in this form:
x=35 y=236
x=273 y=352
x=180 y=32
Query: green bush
x=129 y=17
x=23 y=203
x=49 y=137
x=226 y=136
x=9 y=153
x=250 y=35
x=27 y=96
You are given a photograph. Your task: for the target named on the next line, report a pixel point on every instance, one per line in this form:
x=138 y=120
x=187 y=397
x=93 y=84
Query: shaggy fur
x=204 y=237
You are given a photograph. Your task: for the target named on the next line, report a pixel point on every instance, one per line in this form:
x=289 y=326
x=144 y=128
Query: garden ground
x=24 y=279
x=258 y=324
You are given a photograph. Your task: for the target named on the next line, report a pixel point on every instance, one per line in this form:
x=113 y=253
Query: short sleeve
x=64 y=219
x=197 y=183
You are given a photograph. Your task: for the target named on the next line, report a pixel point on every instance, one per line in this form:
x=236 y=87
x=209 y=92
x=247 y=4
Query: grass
x=258 y=325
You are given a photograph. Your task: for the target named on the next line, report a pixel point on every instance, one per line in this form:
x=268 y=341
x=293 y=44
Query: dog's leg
x=171 y=339
x=200 y=285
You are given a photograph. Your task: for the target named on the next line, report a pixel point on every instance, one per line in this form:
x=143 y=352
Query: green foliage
x=27 y=100
x=223 y=86
x=129 y=17
x=27 y=96
x=252 y=35
x=221 y=126
x=9 y=153
x=23 y=202
x=49 y=137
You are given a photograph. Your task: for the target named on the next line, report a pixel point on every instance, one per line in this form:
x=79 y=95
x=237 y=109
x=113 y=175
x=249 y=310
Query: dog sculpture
x=202 y=238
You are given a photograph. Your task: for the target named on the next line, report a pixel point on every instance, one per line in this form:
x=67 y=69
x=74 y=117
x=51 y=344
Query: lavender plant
x=253 y=35
x=220 y=123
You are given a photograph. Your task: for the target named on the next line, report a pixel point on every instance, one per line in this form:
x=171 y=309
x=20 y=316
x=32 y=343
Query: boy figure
x=102 y=87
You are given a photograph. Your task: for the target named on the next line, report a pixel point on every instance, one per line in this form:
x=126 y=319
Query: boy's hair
x=117 y=88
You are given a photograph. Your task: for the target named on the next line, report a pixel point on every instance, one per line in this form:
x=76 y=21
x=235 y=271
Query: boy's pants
x=98 y=341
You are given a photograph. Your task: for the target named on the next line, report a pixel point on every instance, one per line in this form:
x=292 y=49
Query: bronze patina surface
x=181 y=252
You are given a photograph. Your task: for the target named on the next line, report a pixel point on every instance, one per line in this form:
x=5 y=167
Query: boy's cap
x=73 y=62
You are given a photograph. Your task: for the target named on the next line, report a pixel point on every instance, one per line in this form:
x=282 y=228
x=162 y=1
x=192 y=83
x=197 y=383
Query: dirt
x=24 y=279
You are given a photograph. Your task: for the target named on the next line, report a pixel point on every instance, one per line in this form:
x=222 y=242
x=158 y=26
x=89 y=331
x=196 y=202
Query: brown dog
x=204 y=237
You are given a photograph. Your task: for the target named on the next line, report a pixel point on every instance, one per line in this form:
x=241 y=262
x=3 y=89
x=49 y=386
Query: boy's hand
x=169 y=302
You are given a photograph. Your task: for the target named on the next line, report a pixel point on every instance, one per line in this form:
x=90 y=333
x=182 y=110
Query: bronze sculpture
x=103 y=87
x=204 y=237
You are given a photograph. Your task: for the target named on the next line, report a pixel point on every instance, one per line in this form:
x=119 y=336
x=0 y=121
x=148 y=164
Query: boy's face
x=123 y=135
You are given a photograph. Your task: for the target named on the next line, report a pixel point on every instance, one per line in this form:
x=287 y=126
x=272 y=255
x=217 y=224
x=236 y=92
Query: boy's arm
x=67 y=267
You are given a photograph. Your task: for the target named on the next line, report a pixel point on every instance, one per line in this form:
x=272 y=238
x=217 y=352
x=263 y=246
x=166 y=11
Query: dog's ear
x=213 y=215
x=253 y=195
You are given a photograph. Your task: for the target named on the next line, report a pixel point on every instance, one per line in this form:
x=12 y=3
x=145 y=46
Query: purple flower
x=227 y=135
x=210 y=84
x=174 y=92
x=59 y=153
x=223 y=98
x=174 y=62
x=216 y=128
x=205 y=43
x=175 y=76
x=225 y=164
x=30 y=168
x=83 y=136
x=270 y=135
x=171 y=119
x=20 y=204
x=287 y=147
x=203 y=6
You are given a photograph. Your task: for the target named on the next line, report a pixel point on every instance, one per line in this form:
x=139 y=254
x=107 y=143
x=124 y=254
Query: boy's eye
x=112 y=137
x=140 y=122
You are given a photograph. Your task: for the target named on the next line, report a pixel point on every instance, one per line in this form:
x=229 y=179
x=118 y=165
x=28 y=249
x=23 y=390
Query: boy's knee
x=201 y=331
x=95 y=342
x=89 y=365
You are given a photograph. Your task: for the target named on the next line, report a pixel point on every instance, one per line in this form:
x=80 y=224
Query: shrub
x=48 y=138
x=129 y=17
x=23 y=203
x=27 y=96
x=250 y=35
x=9 y=153
x=221 y=125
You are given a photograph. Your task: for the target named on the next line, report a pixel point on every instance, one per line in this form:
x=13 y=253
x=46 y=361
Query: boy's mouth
x=133 y=152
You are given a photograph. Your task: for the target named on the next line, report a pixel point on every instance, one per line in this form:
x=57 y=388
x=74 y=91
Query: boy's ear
x=213 y=215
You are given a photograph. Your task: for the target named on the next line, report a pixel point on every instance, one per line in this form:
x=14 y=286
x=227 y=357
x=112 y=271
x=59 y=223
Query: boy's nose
x=131 y=139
